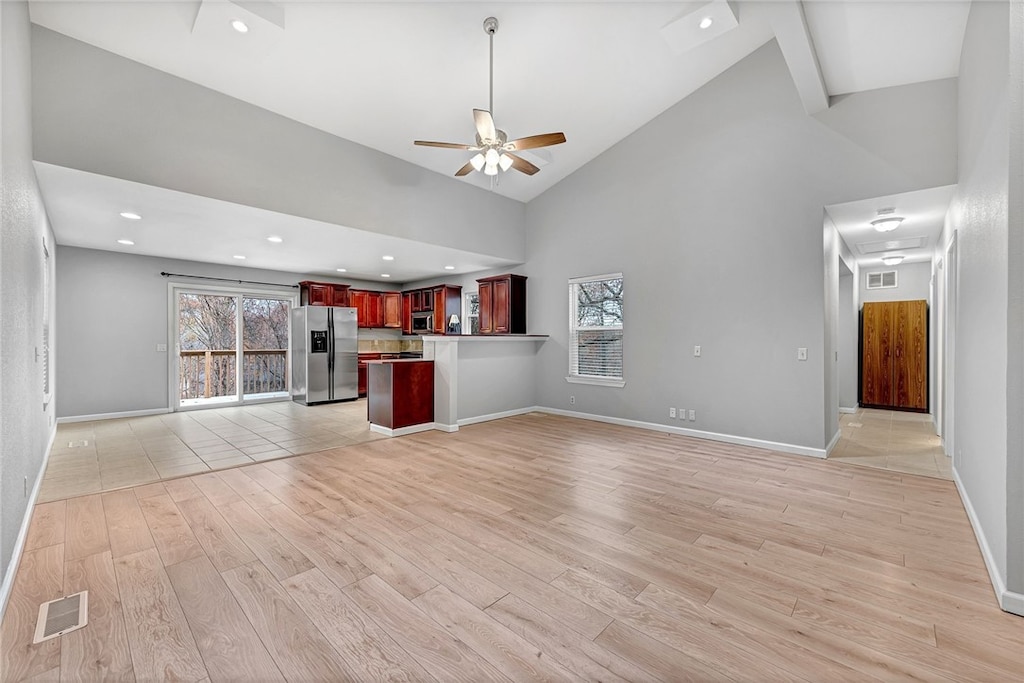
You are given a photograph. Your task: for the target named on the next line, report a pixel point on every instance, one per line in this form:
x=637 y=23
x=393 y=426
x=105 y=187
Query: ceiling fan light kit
x=494 y=151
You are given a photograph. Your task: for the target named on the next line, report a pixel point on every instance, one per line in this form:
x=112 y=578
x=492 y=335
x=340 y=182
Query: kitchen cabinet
x=323 y=294
x=407 y=313
x=401 y=393
x=894 y=355
x=502 y=304
x=369 y=310
x=391 y=305
x=446 y=301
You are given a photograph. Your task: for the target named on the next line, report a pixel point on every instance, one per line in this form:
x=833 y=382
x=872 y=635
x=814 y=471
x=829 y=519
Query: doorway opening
x=231 y=347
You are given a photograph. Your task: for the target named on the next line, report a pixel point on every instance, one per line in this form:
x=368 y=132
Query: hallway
x=892 y=440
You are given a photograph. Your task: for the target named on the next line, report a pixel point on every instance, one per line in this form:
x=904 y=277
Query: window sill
x=597 y=381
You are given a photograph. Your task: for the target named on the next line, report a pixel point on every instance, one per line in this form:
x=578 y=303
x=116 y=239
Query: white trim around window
x=596 y=330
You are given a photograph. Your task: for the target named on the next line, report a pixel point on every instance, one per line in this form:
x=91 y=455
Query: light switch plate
x=696 y=351
x=801 y=353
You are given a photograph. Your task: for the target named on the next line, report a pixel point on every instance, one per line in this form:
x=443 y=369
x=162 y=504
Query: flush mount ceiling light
x=131 y=215
x=127 y=243
x=887 y=221
x=239 y=25
x=893 y=260
x=275 y=239
x=494 y=151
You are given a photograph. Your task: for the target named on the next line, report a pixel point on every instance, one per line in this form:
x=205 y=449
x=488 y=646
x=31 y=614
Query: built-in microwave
x=422 y=322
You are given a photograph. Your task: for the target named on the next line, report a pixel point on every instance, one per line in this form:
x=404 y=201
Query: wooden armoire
x=894 y=355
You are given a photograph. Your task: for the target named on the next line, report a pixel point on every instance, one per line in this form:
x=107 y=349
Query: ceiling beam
x=794 y=40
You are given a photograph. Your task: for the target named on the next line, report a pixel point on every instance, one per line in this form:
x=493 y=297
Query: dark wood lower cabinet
x=400 y=393
x=894 y=355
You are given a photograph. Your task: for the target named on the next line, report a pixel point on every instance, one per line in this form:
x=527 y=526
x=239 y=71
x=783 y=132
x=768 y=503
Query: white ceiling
x=84 y=210
x=923 y=213
x=383 y=74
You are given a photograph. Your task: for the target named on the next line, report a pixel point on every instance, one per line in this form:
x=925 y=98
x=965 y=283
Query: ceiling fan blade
x=446 y=145
x=465 y=170
x=484 y=124
x=535 y=141
x=522 y=165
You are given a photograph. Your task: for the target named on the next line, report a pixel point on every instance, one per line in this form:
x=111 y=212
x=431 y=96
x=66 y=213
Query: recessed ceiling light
x=275 y=239
x=706 y=22
x=342 y=270
x=128 y=243
x=239 y=257
x=131 y=215
x=449 y=267
x=388 y=258
x=384 y=275
x=239 y=25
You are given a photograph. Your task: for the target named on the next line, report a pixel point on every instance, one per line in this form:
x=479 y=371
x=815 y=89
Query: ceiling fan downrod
x=490 y=28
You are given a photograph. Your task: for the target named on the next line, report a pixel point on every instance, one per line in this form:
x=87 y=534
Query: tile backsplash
x=390 y=345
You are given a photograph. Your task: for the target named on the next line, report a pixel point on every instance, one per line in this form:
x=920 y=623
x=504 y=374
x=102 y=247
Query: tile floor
x=89 y=457
x=892 y=440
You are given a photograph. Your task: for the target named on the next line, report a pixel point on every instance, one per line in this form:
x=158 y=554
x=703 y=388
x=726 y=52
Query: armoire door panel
x=910 y=370
x=876 y=366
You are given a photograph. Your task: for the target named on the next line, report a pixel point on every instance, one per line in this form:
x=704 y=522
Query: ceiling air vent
x=884 y=280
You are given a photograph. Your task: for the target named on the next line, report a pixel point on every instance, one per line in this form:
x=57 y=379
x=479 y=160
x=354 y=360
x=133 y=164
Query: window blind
x=595 y=326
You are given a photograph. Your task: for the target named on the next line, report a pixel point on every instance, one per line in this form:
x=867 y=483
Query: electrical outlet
x=696 y=351
x=572 y=400
x=671 y=412
x=693 y=415
x=801 y=353
x=682 y=413
x=161 y=348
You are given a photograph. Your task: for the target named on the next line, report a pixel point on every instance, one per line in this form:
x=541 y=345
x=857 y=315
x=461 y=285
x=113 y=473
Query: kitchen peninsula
x=482 y=377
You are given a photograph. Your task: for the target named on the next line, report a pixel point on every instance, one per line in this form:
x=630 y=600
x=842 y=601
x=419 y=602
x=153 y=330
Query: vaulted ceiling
x=386 y=73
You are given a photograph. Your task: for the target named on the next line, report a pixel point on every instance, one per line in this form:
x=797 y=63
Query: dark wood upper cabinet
x=502 y=304
x=894 y=355
x=322 y=294
x=392 y=309
x=407 y=313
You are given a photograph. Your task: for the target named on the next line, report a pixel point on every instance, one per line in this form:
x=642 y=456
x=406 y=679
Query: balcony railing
x=211 y=373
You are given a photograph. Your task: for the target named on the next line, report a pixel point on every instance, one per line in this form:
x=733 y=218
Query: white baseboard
x=403 y=431
x=446 y=428
x=833 y=442
x=111 y=416
x=496 y=416
x=851 y=411
x=19 y=544
x=711 y=436
x=1008 y=600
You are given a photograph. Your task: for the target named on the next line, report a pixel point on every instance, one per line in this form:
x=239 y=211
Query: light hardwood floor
x=530 y=548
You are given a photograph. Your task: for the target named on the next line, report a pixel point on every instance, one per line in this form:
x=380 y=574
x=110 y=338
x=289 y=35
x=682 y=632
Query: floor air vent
x=78 y=444
x=61 y=616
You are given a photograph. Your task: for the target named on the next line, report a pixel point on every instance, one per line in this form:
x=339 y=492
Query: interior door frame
x=174 y=353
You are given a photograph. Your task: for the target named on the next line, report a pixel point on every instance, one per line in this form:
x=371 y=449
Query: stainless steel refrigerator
x=325 y=361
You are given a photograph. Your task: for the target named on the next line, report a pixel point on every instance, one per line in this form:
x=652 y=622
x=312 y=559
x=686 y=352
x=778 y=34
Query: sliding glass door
x=232 y=347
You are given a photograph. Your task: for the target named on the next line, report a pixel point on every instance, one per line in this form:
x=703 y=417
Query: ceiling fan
x=494 y=151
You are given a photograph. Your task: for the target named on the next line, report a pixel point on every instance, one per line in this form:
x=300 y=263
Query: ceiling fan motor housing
x=490 y=26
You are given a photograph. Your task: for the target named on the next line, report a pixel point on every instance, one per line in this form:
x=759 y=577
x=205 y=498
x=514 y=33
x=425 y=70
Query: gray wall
x=98 y=112
x=495 y=376
x=913 y=281
x=25 y=424
x=112 y=311
x=713 y=213
x=988 y=456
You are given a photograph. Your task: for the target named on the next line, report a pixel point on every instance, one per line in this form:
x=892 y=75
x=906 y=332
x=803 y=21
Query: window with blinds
x=595 y=330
